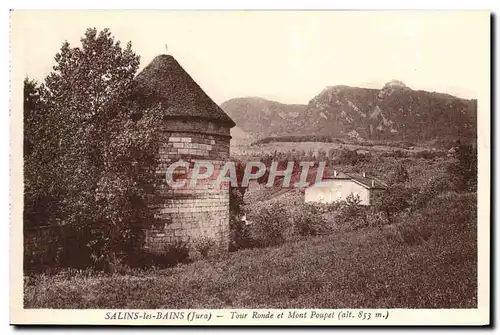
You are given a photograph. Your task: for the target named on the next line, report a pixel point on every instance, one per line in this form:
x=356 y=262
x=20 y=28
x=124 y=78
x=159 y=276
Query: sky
x=288 y=57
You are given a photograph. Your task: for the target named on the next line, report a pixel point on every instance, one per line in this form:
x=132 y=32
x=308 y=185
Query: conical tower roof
x=165 y=81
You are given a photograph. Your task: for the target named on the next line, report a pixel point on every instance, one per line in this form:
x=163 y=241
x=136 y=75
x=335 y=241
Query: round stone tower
x=195 y=129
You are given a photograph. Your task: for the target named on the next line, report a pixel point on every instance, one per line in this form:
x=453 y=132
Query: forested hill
x=395 y=112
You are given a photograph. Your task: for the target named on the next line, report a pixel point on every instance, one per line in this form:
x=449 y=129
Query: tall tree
x=88 y=87
x=104 y=159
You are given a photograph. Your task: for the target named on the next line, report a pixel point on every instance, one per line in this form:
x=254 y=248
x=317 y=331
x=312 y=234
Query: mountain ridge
x=394 y=112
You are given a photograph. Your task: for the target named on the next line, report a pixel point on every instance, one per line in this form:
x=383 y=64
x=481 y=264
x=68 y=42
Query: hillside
x=395 y=112
x=256 y=117
x=375 y=267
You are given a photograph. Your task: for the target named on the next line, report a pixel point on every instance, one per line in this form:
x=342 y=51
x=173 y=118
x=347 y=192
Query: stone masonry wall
x=196 y=211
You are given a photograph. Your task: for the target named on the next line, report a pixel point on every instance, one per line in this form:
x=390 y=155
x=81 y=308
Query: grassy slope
x=367 y=268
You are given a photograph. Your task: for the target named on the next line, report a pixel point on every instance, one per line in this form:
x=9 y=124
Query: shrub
x=465 y=167
x=351 y=214
x=398 y=153
x=308 y=220
x=413 y=234
x=323 y=208
x=426 y=154
x=203 y=245
x=376 y=219
x=173 y=254
x=35 y=260
x=60 y=247
x=117 y=265
x=176 y=252
x=239 y=234
x=270 y=223
x=399 y=175
x=432 y=188
x=394 y=200
x=443 y=218
x=350 y=157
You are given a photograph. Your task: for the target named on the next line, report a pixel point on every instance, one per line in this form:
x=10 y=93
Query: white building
x=338 y=186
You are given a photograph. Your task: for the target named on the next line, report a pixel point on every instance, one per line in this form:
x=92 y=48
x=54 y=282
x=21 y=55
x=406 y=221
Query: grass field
x=426 y=258
x=369 y=268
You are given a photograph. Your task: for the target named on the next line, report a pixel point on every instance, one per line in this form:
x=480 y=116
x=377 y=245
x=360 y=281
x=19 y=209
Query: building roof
x=367 y=181
x=164 y=81
x=333 y=174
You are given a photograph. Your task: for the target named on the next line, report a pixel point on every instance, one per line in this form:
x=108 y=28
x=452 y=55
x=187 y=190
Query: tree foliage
x=464 y=168
x=394 y=200
x=100 y=159
x=41 y=190
x=400 y=175
x=239 y=232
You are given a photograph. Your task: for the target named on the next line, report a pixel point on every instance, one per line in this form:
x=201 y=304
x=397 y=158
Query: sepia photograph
x=250 y=167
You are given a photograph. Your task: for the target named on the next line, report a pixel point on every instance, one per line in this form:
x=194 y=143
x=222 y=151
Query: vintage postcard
x=250 y=167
